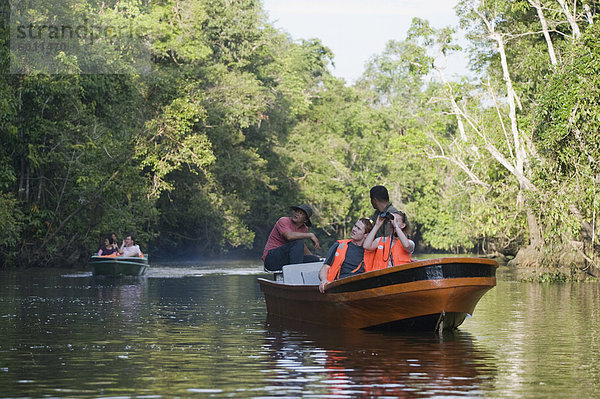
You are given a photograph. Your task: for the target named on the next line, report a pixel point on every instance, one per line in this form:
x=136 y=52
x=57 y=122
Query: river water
x=202 y=331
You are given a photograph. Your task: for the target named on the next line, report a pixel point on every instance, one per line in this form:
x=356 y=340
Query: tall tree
x=565 y=129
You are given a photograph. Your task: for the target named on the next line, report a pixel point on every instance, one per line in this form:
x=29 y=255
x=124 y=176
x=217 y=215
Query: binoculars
x=386 y=215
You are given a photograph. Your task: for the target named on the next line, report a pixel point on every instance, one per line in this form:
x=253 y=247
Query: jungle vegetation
x=202 y=125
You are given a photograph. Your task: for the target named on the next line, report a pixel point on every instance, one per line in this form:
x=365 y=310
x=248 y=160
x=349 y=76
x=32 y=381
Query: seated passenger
x=128 y=247
x=396 y=251
x=108 y=248
x=347 y=257
x=285 y=244
x=114 y=237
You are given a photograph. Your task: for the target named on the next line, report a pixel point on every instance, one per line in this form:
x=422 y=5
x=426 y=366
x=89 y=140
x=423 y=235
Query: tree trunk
x=520 y=154
x=535 y=237
x=570 y=17
x=538 y=7
x=22 y=180
x=588 y=14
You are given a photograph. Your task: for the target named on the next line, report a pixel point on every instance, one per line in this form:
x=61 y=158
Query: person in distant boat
x=108 y=248
x=347 y=257
x=393 y=250
x=128 y=247
x=380 y=200
x=285 y=244
x=114 y=237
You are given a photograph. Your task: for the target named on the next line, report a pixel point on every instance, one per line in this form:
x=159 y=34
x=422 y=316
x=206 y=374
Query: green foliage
x=12 y=225
x=233 y=32
x=549 y=277
x=175 y=31
x=175 y=141
x=567 y=117
x=558 y=277
x=235 y=105
x=397 y=73
x=209 y=123
x=566 y=132
x=330 y=155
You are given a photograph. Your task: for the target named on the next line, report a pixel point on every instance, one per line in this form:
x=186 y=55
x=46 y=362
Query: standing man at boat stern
x=285 y=244
x=380 y=200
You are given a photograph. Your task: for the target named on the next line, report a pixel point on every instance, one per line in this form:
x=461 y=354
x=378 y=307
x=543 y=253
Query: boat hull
x=431 y=294
x=118 y=266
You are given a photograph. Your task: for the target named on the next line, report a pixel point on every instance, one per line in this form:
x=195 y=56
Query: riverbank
x=571 y=264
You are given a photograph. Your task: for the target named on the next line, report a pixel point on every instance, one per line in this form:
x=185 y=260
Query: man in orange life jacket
x=392 y=250
x=347 y=257
x=285 y=244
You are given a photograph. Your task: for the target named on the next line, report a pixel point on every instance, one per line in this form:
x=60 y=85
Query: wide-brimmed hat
x=307 y=210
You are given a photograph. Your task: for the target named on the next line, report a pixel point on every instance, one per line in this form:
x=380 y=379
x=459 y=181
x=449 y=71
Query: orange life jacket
x=340 y=256
x=109 y=256
x=114 y=254
x=385 y=249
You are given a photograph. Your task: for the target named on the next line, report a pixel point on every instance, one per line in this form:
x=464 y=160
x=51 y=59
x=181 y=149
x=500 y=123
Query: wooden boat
x=118 y=265
x=435 y=294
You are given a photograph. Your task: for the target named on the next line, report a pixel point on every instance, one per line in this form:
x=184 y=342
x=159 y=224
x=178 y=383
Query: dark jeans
x=287 y=254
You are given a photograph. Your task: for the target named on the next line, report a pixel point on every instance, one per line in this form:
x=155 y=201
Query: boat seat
x=302 y=273
x=277 y=274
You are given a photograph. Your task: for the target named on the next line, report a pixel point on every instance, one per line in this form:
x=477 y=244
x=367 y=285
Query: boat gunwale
x=408 y=266
x=331 y=287
x=123 y=260
x=107 y=257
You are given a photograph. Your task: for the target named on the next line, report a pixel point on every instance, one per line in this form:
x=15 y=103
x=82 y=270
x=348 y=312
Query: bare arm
x=296 y=235
x=370 y=242
x=408 y=245
x=323 y=277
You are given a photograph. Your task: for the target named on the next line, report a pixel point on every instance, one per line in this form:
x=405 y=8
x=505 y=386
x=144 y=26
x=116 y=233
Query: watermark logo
x=55 y=37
